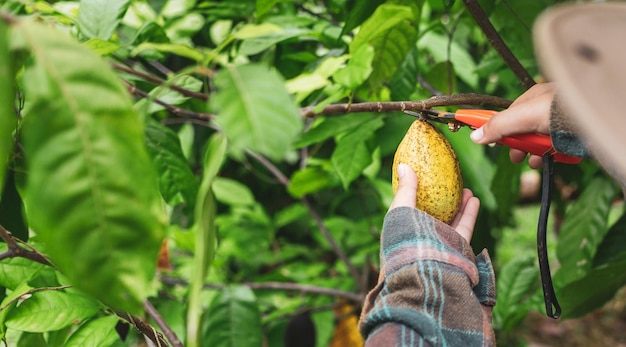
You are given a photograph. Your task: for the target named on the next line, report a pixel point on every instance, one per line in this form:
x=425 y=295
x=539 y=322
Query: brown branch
x=144 y=328
x=305 y=288
x=15 y=250
x=158 y=319
x=175 y=110
x=498 y=44
x=156 y=80
x=399 y=106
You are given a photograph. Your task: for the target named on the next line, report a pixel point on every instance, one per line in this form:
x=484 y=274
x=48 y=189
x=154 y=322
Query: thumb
x=407 y=186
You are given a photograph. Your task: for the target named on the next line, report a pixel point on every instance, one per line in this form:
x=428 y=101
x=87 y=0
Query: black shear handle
x=553 y=309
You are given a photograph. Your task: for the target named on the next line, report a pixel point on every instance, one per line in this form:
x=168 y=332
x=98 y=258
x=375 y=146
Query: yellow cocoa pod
x=430 y=155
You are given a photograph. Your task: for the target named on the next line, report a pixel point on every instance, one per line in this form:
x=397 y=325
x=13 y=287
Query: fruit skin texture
x=439 y=180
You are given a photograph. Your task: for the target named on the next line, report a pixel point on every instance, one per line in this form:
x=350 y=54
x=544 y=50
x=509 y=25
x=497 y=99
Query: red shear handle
x=537 y=144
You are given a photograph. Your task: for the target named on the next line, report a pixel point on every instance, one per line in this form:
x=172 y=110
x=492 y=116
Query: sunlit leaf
x=51 y=310
x=392 y=31
x=231 y=192
x=90 y=190
x=250 y=115
x=309 y=180
x=234 y=319
x=359 y=13
x=99 y=18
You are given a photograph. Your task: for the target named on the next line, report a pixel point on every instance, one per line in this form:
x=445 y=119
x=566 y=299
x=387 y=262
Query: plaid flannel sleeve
x=432 y=290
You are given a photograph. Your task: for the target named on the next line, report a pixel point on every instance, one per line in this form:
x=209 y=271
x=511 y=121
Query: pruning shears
x=537 y=144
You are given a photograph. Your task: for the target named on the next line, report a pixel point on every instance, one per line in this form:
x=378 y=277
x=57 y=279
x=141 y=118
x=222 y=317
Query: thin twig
x=392 y=106
x=14 y=250
x=498 y=44
x=156 y=80
x=305 y=288
x=161 y=323
x=175 y=110
x=143 y=327
x=318 y=220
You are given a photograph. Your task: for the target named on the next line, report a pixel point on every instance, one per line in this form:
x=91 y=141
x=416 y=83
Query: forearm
x=431 y=287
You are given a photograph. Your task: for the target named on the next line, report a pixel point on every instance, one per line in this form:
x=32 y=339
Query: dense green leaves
x=249 y=119
x=99 y=332
x=234 y=320
x=90 y=189
x=517 y=280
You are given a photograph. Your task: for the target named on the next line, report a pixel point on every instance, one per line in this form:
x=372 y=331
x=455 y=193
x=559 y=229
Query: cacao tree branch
x=304 y=288
x=156 y=80
x=15 y=250
x=498 y=43
x=391 y=106
x=158 y=319
x=175 y=110
x=318 y=220
x=144 y=328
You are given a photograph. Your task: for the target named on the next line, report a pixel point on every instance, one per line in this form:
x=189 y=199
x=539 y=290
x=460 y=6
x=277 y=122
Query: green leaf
x=352 y=154
x=258 y=44
x=234 y=319
x=182 y=29
x=90 y=191
x=583 y=229
x=442 y=77
x=358 y=69
x=517 y=281
x=392 y=31
x=102 y=47
x=250 y=115
x=612 y=245
x=175 y=8
x=179 y=49
x=204 y=229
x=593 y=290
x=404 y=82
x=309 y=180
x=8 y=118
x=327 y=127
x=176 y=179
x=463 y=62
x=32 y=339
x=51 y=310
x=231 y=192
x=166 y=94
x=15 y=271
x=264 y=6
x=99 y=18
x=12 y=216
x=359 y=13
x=99 y=332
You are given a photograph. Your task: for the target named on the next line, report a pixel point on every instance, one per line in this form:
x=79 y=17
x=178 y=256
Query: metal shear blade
x=437 y=116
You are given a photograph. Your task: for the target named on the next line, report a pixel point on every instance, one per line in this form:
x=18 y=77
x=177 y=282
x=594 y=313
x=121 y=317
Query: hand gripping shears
x=537 y=144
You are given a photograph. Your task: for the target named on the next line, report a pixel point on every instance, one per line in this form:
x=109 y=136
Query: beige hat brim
x=583 y=48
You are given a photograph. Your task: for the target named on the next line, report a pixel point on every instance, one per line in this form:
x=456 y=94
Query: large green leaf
x=359 y=13
x=592 y=290
x=517 y=280
x=583 y=229
x=176 y=180
x=99 y=332
x=255 y=111
x=464 y=64
x=404 y=81
x=233 y=319
x=91 y=192
x=51 y=310
x=7 y=97
x=613 y=244
x=352 y=154
x=99 y=18
x=392 y=31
